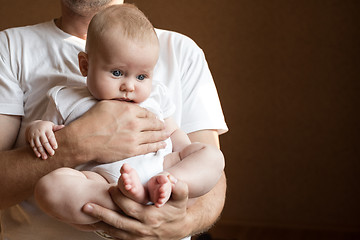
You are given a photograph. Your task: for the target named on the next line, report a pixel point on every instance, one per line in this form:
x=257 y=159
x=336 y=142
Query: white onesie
x=66 y=104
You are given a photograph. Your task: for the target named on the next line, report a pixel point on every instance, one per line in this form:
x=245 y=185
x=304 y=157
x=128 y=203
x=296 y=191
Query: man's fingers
x=106 y=230
x=144 y=113
x=113 y=223
x=151 y=147
x=151 y=141
x=108 y=220
x=129 y=207
x=153 y=136
x=151 y=124
x=106 y=215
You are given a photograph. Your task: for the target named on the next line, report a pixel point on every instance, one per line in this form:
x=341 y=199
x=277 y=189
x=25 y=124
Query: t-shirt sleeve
x=201 y=104
x=11 y=94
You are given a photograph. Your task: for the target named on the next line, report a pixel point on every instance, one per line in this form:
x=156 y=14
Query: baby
x=122 y=50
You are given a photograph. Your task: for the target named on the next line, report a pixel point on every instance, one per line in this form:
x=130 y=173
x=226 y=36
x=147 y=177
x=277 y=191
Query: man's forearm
x=19 y=172
x=207 y=209
x=20 y=169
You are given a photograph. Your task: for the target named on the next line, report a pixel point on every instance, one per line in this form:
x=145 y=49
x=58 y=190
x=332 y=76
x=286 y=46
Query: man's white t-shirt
x=35 y=58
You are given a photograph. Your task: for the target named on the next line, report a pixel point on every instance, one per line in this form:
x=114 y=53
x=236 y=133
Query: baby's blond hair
x=125 y=19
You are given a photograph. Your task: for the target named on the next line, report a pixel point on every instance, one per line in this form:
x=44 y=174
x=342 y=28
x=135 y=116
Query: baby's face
x=121 y=70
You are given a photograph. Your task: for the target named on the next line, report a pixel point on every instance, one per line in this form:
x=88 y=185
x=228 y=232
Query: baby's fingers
x=46 y=146
x=52 y=140
x=40 y=148
x=34 y=148
x=58 y=127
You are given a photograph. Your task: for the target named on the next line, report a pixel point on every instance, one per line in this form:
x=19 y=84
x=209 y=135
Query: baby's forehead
x=125 y=52
x=118 y=32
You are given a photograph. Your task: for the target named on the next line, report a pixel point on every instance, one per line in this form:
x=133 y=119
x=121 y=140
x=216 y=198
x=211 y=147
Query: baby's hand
x=40 y=135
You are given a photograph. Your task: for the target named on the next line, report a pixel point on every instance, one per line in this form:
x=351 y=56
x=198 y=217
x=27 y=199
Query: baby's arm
x=40 y=135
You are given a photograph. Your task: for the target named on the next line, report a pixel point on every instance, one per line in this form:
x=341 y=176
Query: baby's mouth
x=124 y=99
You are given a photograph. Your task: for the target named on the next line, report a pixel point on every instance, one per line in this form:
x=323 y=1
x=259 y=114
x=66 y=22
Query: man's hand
x=114 y=130
x=143 y=221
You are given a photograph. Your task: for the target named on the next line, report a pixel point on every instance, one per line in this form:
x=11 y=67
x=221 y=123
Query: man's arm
x=172 y=221
x=207 y=209
x=8 y=131
x=95 y=136
x=19 y=168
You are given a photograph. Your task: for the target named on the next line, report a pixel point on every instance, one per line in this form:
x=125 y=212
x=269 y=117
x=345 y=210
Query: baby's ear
x=83 y=63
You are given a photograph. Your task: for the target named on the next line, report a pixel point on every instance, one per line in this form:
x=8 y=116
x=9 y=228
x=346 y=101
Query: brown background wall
x=288 y=77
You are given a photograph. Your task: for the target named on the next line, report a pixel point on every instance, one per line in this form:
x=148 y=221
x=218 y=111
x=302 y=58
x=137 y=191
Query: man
x=32 y=60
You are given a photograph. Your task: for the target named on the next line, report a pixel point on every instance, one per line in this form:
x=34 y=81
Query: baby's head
x=121 y=53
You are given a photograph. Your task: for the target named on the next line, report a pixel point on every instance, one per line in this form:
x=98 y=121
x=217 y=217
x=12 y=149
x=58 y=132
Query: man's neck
x=76 y=27
x=77 y=24
x=74 y=24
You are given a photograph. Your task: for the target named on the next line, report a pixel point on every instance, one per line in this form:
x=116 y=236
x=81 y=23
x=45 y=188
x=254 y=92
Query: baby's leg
x=63 y=192
x=198 y=165
x=130 y=185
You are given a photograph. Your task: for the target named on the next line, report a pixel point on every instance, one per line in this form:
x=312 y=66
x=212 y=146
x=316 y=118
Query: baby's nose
x=127 y=86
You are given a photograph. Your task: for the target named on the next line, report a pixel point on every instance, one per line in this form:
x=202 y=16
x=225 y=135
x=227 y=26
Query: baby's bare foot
x=130 y=185
x=159 y=188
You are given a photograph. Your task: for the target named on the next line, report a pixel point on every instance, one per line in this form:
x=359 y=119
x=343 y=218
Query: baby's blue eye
x=141 y=77
x=117 y=73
